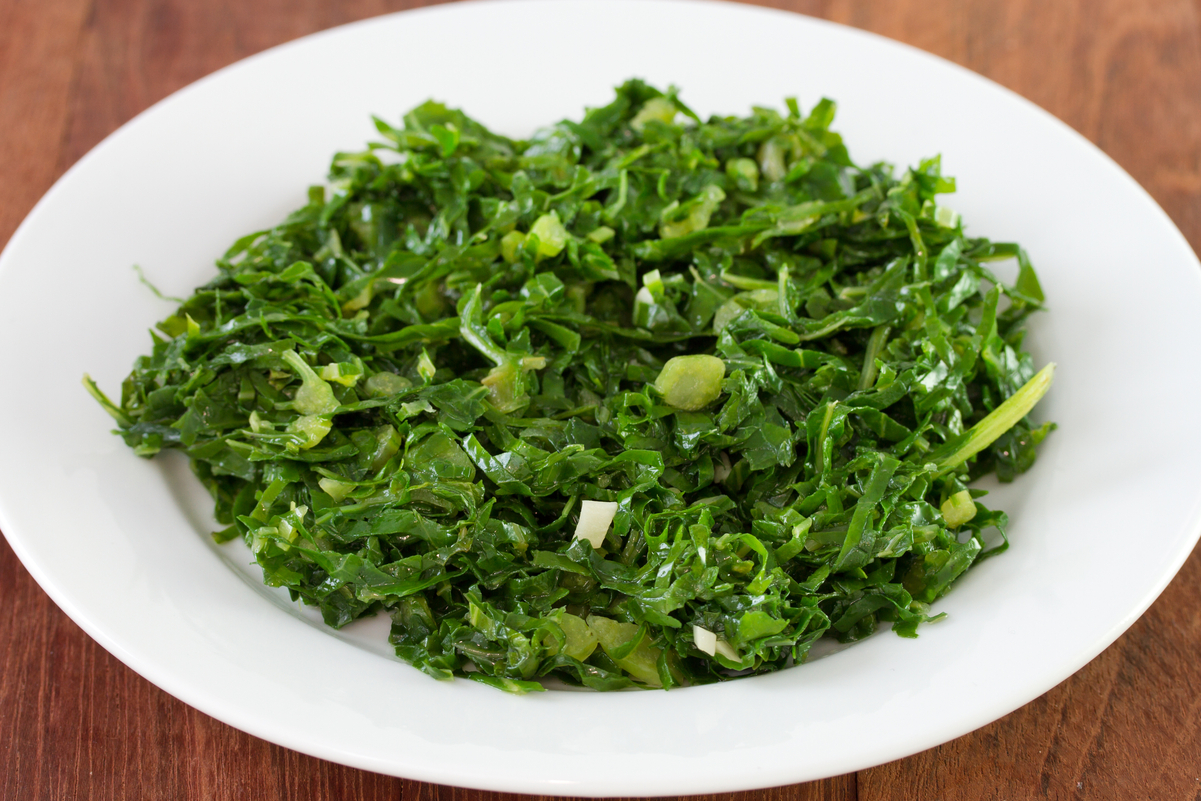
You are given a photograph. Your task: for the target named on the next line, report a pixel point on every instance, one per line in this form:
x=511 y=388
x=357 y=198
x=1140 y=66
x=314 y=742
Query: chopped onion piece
x=704 y=640
x=595 y=519
x=691 y=382
x=958 y=509
x=338 y=490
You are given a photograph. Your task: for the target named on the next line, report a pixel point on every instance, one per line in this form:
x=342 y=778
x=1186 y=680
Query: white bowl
x=1099 y=526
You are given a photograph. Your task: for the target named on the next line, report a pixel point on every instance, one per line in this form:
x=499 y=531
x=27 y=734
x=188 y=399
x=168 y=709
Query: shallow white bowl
x=1099 y=526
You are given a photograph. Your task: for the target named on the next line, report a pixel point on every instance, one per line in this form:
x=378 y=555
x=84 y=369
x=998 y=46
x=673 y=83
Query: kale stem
x=113 y=409
x=875 y=344
x=1002 y=418
x=819 y=457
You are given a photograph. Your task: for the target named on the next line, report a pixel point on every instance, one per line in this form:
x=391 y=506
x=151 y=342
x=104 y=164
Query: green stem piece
x=1003 y=418
x=875 y=344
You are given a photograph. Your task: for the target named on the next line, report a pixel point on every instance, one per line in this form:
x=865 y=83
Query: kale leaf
x=645 y=400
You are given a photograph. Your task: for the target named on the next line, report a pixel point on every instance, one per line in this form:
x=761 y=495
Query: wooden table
x=77 y=724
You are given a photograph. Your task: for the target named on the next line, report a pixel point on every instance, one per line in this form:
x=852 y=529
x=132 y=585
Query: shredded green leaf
x=782 y=368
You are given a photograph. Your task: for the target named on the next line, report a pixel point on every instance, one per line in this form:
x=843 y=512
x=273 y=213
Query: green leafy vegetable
x=643 y=400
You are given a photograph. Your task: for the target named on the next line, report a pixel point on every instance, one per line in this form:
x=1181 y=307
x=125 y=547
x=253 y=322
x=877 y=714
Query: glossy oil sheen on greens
x=401 y=395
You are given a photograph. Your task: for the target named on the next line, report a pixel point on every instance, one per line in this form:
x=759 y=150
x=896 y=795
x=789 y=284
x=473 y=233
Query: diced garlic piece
x=704 y=640
x=595 y=519
x=725 y=649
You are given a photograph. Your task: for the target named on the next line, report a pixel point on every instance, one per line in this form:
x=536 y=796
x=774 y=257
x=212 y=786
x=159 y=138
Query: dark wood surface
x=77 y=724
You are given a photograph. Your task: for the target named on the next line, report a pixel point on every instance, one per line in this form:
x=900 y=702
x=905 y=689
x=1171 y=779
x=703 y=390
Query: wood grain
x=37 y=73
x=77 y=724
